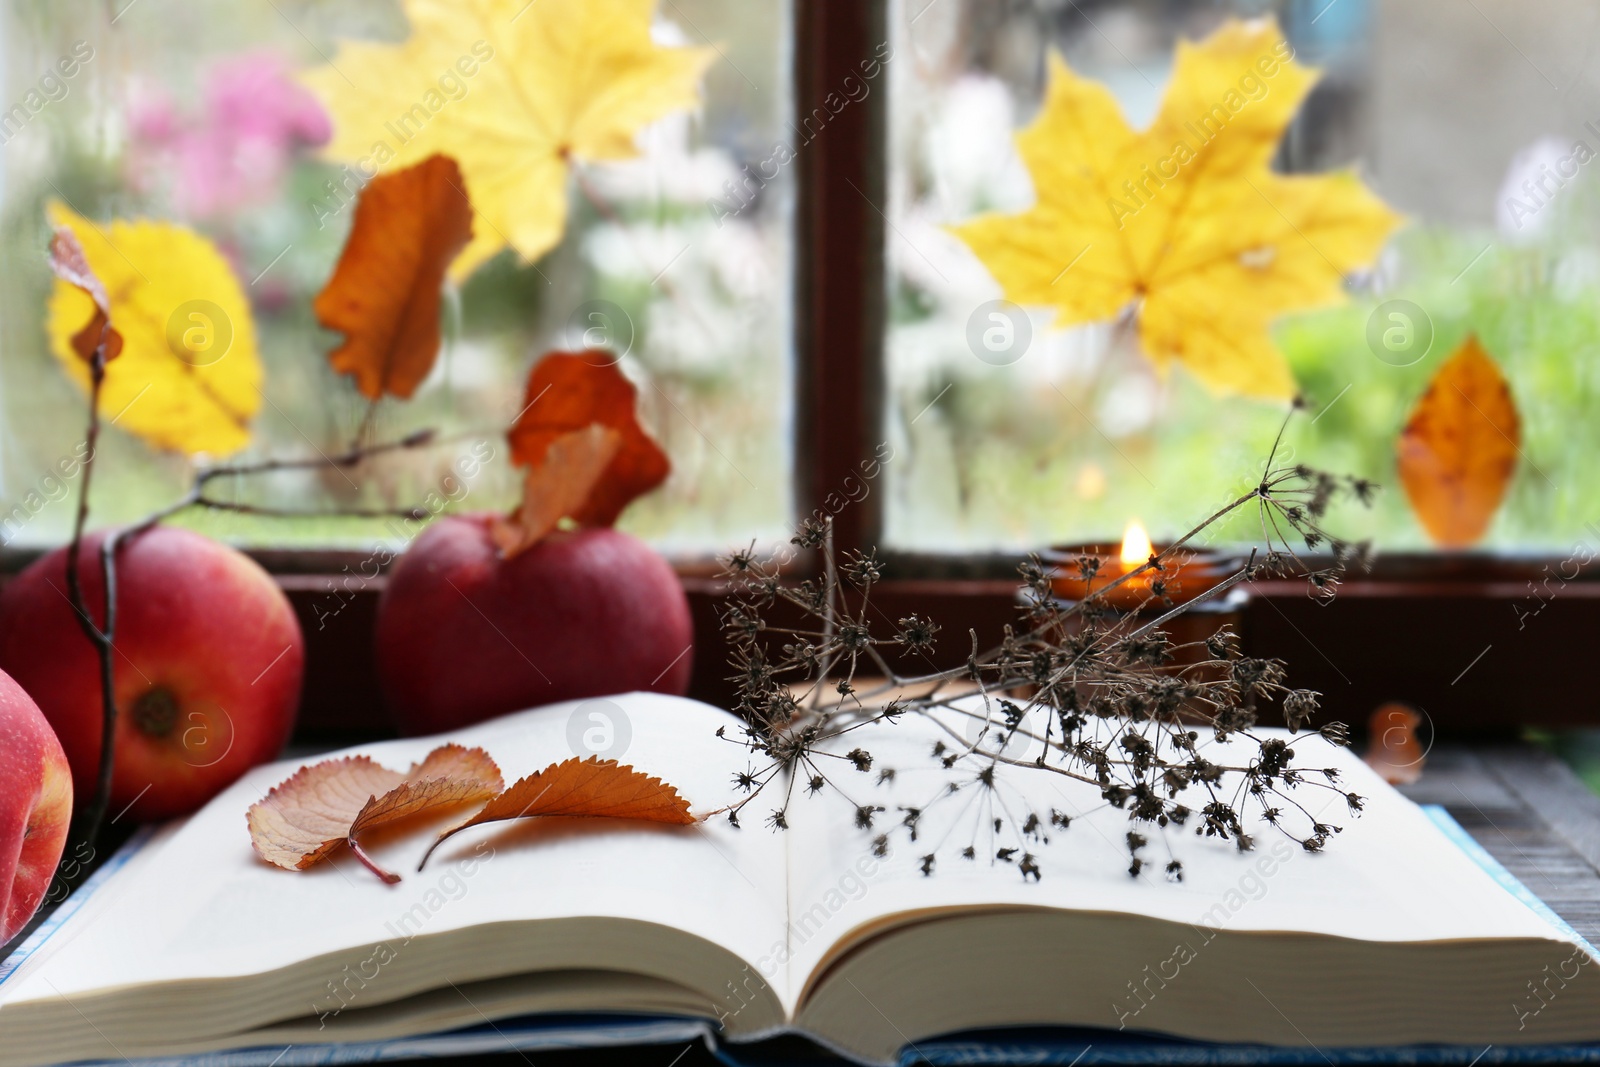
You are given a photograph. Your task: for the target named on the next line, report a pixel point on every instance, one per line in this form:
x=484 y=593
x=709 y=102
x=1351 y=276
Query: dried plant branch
x=1096 y=695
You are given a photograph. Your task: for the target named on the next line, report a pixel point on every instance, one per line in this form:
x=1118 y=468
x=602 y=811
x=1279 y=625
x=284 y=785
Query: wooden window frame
x=1454 y=635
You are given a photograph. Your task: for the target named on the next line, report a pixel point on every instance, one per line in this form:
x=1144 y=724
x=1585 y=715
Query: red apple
x=207 y=672
x=464 y=635
x=35 y=807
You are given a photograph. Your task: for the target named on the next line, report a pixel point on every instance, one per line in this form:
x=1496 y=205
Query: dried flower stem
x=1117 y=698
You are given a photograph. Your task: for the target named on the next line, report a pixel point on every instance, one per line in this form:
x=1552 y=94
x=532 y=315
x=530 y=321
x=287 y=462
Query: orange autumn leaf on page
x=567 y=394
x=1460 y=446
x=591 y=788
x=68 y=262
x=1184 y=226
x=319 y=807
x=384 y=294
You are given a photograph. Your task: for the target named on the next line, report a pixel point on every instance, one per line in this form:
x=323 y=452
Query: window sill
x=1455 y=637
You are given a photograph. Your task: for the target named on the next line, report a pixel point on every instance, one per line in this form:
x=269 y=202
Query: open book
x=1392 y=936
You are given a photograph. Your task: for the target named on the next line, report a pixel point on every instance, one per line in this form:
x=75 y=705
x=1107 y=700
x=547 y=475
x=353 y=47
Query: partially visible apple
x=35 y=807
x=464 y=635
x=209 y=659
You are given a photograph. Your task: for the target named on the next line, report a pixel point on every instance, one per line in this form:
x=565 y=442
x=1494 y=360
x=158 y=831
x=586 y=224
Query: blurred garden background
x=201 y=122
x=1444 y=109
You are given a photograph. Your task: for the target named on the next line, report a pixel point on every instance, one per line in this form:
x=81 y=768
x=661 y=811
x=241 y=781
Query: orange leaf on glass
x=71 y=265
x=1459 y=448
x=311 y=813
x=569 y=395
x=384 y=294
x=592 y=788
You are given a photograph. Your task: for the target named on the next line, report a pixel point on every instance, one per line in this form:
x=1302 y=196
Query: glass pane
x=179 y=111
x=1470 y=119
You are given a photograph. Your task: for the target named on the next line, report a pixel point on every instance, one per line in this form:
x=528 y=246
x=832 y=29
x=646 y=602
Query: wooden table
x=1532 y=813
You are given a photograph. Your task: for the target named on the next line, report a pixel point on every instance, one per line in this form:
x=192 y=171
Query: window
x=1476 y=121
x=178 y=113
x=800 y=311
x=684 y=258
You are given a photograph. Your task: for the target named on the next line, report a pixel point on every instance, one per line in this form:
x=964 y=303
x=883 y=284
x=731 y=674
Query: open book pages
x=197 y=942
x=1394 y=935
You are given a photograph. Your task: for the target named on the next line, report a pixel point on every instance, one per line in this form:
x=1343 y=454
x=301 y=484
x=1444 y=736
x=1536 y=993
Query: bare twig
x=88 y=823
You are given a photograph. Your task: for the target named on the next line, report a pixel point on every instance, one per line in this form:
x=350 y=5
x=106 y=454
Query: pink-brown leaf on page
x=69 y=263
x=319 y=807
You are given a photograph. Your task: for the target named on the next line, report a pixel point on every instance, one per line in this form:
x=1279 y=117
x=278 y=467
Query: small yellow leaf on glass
x=188 y=377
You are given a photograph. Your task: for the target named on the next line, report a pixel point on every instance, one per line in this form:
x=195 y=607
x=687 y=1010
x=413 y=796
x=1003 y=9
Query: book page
x=1390 y=875
x=202 y=905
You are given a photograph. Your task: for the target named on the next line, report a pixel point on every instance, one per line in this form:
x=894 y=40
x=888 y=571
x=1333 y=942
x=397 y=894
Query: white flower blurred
x=1536 y=180
x=968 y=149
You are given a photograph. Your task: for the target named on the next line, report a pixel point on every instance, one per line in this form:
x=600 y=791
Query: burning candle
x=1183 y=576
x=1136 y=547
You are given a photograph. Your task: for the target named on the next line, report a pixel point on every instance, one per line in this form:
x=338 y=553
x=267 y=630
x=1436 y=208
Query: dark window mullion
x=839 y=269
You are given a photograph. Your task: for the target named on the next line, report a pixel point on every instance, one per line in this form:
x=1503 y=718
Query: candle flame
x=1135 y=544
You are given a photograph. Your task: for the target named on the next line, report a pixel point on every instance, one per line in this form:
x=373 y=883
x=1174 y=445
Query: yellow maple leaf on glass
x=188 y=377
x=513 y=91
x=1184 y=224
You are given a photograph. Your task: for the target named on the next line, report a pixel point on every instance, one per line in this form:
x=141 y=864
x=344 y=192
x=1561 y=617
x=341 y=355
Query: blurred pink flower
x=253 y=120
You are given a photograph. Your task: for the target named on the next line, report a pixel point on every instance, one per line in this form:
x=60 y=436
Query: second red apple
x=464 y=635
